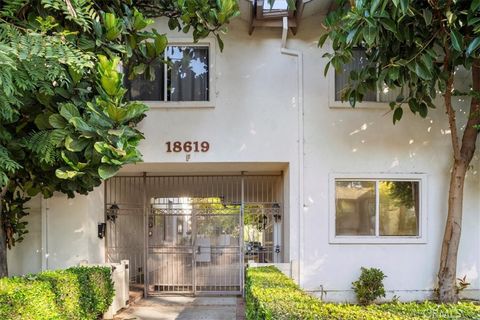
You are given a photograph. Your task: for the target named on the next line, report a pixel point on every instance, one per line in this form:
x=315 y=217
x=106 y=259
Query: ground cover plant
x=76 y=293
x=272 y=295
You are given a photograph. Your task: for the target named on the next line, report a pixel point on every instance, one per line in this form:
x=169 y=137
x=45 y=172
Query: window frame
x=185 y=42
x=421 y=178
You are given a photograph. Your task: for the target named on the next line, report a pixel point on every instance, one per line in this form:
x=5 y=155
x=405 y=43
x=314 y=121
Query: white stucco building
x=268 y=167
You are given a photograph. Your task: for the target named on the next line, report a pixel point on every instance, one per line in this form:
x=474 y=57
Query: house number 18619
x=187 y=146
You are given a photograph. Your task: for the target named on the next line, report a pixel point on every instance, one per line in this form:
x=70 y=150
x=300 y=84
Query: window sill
x=378 y=240
x=180 y=104
x=372 y=105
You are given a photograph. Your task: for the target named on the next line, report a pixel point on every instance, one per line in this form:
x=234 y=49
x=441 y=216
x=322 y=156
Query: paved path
x=185 y=308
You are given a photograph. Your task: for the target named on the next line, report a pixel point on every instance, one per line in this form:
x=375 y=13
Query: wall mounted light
x=112 y=213
x=102 y=227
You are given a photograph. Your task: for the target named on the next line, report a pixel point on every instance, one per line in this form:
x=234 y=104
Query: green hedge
x=272 y=295
x=77 y=293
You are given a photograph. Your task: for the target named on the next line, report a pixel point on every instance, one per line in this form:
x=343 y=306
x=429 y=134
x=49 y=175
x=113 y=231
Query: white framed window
x=378 y=208
x=186 y=81
x=374 y=99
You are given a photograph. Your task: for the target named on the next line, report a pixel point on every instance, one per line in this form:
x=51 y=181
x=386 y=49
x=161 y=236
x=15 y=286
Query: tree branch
x=471 y=131
x=452 y=120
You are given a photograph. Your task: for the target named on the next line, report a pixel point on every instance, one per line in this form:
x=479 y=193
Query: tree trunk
x=3 y=241
x=447 y=274
x=448 y=261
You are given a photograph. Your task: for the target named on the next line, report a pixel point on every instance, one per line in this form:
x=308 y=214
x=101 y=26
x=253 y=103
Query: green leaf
x=404 y=6
x=134 y=110
x=423 y=110
x=427 y=16
x=397 y=115
x=374 y=6
x=369 y=35
x=473 y=45
x=351 y=35
x=41 y=121
x=57 y=121
x=474 y=5
x=325 y=71
x=67 y=174
x=107 y=171
x=69 y=110
x=457 y=40
x=389 y=25
x=75 y=145
x=422 y=70
x=80 y=124
x=161 y=43
x=220 y=42
x=322 y=39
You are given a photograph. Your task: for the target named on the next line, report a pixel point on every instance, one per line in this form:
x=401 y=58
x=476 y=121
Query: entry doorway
x=193 y=234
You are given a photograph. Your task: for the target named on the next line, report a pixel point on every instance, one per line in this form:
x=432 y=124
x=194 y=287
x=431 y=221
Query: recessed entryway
x=193 y=234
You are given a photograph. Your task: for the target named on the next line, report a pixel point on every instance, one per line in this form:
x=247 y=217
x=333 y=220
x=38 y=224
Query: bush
x=76 y=293
x=369 y=286
x=22 y=299
x=270 y=295
x=96 y=287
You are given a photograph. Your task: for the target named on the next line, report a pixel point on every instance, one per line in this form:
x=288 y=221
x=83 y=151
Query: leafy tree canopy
x=412 y=45
x=64 y=121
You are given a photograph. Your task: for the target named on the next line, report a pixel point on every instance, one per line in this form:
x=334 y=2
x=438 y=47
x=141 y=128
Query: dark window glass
x=187 y=77
x=147 y=90
x=187 y=73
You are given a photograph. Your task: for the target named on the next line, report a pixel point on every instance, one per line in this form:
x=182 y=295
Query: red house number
x=187 y=146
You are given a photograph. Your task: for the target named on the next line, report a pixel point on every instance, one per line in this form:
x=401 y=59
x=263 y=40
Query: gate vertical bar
x=194 y=242
x=105 y=199
x=242 y=262
x=145 y=237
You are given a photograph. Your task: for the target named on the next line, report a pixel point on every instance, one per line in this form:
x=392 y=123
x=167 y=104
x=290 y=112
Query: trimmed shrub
x=270 y=295
x=77 y=293
x=25 y=299
x=369 y=286
x=66 y=288
x=96 y=289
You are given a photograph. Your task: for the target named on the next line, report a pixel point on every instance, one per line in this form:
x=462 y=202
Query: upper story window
x=371 y=98
x=386 y=209
x=185 y=78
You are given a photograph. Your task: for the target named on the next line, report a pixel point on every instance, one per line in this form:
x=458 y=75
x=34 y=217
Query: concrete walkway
x=185 y=308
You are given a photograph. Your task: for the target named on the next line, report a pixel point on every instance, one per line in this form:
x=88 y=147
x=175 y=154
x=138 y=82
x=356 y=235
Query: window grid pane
x=359 y=61
x=399 y=208
x=188 y=74
x=355 y=208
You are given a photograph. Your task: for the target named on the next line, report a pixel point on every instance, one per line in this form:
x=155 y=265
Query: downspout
x=301 y=140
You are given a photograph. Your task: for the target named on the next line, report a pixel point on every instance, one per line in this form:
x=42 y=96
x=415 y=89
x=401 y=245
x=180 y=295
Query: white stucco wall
x=70 y=230
x=26 y=256
x=255 y=120
x=365 y=141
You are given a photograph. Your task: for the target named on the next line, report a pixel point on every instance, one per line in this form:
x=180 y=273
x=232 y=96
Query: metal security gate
x=193 y=233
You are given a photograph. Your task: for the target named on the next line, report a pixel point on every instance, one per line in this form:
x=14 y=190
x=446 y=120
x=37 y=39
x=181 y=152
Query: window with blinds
x=359 y=62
